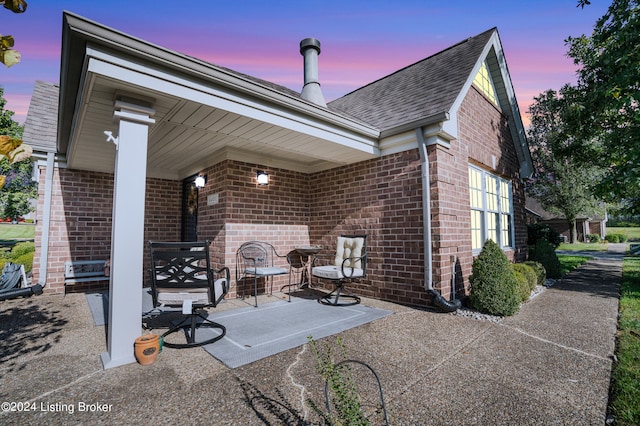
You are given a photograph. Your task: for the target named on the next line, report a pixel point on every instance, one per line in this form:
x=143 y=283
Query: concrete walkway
x=549 y=364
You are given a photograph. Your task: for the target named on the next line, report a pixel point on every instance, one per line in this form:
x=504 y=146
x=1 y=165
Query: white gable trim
x=494 y=55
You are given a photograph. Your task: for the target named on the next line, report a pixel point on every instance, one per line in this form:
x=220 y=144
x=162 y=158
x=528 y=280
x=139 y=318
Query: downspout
x=36 y=289
x=437 y=299
x=46 y=219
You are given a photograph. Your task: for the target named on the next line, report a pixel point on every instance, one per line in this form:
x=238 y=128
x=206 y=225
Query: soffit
x=188 y=136
x=203 y=113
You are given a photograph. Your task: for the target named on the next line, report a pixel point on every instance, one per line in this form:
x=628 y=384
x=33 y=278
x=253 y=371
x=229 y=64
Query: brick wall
x=383 y=199
x=485 y=132
x=380 y=197
x=80 y=227
x=241 y=210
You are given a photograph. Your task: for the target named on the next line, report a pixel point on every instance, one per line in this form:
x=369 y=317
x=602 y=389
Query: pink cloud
x=19 y=104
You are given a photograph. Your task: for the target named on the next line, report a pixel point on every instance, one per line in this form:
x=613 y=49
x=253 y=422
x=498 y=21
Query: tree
x=8 y=55
x=16 y=168
x=603 y=111
x=562 y=185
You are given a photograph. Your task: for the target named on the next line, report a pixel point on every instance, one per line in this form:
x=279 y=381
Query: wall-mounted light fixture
x=200 y=181
x=262 y=177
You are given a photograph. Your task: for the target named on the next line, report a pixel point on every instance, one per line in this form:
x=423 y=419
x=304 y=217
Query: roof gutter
x=437 y=299
x=78 y=32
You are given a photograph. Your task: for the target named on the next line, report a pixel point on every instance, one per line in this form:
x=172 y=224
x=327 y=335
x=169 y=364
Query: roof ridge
x=418 y=62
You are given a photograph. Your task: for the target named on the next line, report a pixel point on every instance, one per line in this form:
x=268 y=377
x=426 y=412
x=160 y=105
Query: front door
x=189 y=210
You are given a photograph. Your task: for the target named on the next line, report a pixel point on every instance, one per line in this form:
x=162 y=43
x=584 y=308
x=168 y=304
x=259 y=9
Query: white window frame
x=498 y=208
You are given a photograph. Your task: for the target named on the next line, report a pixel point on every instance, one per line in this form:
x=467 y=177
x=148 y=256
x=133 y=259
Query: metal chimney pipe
x=310 y=49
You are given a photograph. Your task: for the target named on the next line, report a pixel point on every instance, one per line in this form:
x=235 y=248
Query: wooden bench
x=85 y=271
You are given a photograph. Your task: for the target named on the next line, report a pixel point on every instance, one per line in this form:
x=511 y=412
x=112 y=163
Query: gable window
x=491 y=209
x=485 y=84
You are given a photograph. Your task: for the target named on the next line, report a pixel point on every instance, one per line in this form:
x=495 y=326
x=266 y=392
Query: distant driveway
x=615 y=251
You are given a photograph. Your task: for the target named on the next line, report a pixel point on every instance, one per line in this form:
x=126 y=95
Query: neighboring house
x=585 y=225
x=356 y=165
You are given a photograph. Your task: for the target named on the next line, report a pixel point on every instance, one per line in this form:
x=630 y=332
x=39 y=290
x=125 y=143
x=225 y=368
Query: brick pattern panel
x=80 y=228
x=383 y=199
x=485 y=131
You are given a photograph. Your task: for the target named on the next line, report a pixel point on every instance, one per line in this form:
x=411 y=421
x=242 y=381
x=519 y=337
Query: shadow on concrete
x=600 y=278
x=269 y=410
x=28 y=329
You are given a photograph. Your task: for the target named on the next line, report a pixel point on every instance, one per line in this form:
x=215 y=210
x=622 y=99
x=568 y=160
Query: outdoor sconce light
x=262 y=177
x=199 y=181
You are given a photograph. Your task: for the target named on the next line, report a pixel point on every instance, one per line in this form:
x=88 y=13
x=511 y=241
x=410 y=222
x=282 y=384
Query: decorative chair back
x=257 y=259
x=181 y=275
x=183 y=266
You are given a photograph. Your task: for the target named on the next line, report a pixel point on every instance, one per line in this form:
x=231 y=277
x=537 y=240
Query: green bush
x=523 y=286
x=544 y=253
x=540 y=231
x=529 y=274
x=22 y=248
x=494 y=289
x=593 y=238
x=616 y=238
x=612 y=238
x=541 y=273
x=21 y=253
x=26 y=260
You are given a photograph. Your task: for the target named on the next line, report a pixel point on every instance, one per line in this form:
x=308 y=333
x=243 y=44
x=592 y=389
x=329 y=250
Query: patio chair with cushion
x=349 y=263
x=257 y=259
x=181 y=275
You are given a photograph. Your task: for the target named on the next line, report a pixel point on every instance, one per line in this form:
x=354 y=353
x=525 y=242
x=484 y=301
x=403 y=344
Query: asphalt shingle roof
x=417 y=91
x=41 y=125
x=421 y=90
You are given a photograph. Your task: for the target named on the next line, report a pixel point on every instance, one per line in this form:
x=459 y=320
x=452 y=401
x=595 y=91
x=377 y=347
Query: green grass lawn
x=631 y=233
x=569 y=262
x=625 y=395
x=21 y=231
x=583 y=247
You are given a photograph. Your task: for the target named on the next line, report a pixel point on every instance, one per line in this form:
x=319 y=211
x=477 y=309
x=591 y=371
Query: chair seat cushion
x=198 y=296
x=332 y=272
x=272 y=270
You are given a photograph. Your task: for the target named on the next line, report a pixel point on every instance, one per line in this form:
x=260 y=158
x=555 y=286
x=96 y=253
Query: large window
x=485 y=84
x=491 y=209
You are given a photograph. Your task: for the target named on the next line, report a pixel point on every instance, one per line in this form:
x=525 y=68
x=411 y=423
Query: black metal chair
x=349 y=263
x=181 y=275
x=257 y=259
x=297 y=268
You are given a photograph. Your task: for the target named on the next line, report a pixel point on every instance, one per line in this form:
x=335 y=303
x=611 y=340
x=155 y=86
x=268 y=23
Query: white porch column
x=127 y=234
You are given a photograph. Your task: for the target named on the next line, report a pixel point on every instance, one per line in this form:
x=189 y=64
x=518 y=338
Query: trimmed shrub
x=544 y=253
x=523 y=286
x=616 y=238
x=541 y=273
x=528 y=272
x=593 y=238
x=540 y=231
x=612 y=238
x=494 y=289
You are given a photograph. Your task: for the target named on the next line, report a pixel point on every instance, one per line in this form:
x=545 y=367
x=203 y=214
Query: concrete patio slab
x=548 y=364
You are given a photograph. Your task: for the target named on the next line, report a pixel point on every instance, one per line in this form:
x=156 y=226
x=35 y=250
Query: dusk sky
x=361 y=40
